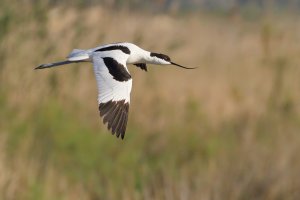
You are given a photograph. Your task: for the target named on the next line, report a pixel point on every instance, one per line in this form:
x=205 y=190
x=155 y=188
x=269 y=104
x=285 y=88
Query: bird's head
x=162 y=59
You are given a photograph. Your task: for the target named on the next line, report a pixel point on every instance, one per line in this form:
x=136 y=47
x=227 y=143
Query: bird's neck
x=148 y=58
x=141 y=56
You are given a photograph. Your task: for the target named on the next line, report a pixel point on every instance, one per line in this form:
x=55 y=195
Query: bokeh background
x=228 y=130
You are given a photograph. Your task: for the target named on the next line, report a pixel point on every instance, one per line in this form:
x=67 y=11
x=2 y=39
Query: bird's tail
x=77 y=55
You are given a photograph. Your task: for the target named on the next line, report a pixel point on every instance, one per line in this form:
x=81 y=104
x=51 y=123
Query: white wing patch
x=114 y=86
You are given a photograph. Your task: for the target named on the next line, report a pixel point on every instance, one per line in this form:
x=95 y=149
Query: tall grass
x=228 y=130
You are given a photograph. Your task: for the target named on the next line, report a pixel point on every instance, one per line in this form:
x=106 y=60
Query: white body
x=108 y=88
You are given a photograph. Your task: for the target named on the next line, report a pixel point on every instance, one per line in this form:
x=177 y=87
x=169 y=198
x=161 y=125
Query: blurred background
x=228 y=130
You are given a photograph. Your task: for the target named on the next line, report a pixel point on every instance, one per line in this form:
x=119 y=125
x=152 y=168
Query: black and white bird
x=113 y=78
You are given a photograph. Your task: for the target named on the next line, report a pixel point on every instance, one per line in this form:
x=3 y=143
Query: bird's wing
x=114 y=86
x=143 y=66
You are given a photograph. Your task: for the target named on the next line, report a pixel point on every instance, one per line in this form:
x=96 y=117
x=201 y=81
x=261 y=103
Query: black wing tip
x=115 y=115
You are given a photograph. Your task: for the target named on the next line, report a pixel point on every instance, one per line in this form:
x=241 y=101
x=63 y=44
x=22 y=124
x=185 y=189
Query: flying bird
x=113 y=78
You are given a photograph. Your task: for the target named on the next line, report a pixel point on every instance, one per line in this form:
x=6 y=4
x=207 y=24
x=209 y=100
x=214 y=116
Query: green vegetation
x=228 y=130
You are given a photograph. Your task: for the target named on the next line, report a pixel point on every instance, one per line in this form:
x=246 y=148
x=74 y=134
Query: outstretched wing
x=114 y=87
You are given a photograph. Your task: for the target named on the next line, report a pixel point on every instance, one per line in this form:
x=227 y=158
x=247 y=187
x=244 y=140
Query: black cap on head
x=161 y=56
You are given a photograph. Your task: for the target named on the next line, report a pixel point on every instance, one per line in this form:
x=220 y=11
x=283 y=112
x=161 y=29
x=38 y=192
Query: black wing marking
x=117 y=70
x=115 y=114
x=143 y=66
x=115 y=47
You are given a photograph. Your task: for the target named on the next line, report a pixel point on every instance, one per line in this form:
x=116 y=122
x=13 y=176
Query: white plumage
x=113 y=78
x=108 y=87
